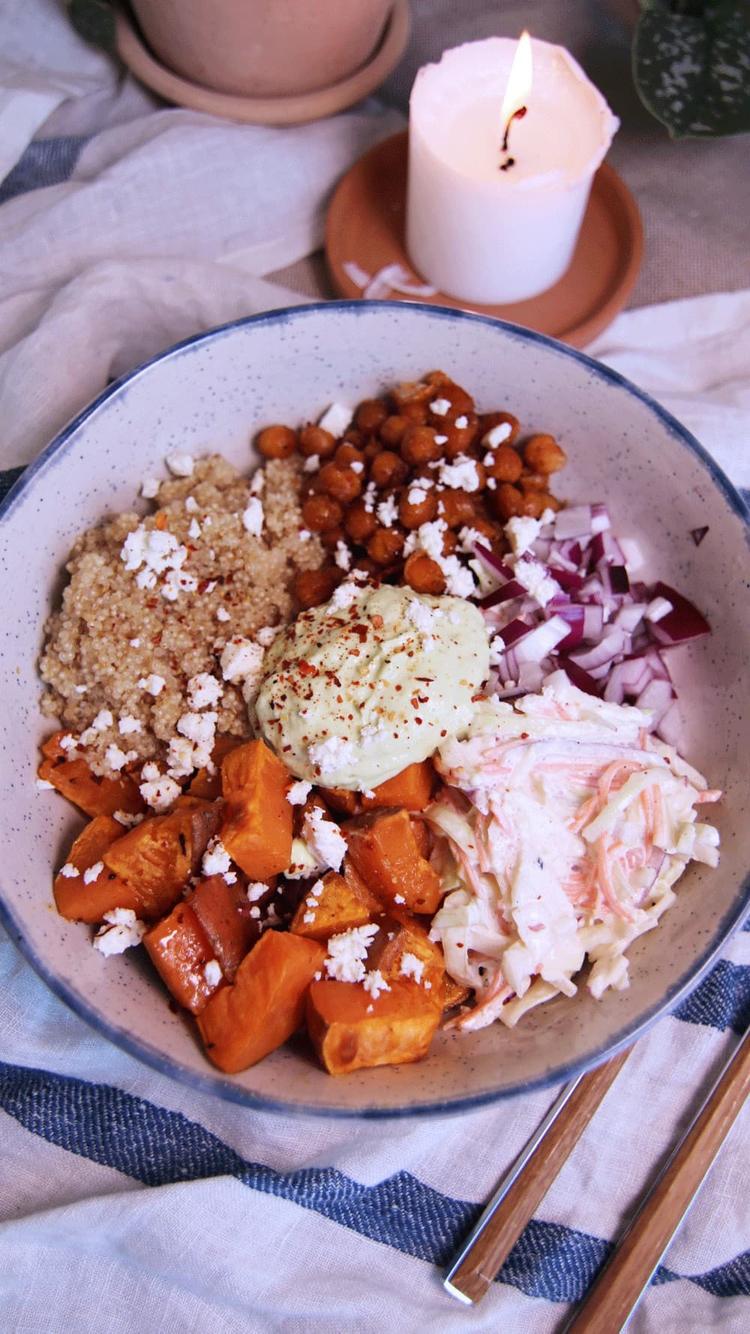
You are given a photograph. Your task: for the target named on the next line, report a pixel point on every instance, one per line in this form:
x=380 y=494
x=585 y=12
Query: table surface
x=694 y=194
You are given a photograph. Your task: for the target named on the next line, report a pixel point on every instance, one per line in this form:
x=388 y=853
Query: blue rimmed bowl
x=211 y=393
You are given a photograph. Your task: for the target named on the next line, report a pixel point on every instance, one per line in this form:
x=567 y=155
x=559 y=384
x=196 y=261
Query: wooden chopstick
x=615 y=1294
x=515 y=1201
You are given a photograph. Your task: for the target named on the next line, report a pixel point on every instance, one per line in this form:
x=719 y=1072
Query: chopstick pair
x=623 y=1280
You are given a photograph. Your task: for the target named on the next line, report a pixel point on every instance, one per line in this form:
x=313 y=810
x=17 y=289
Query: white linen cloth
x=127 y=1201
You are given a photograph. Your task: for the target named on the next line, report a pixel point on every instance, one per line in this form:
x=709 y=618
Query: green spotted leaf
x=691 y=64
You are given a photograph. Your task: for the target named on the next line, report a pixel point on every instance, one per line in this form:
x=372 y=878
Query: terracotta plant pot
x=263 y=48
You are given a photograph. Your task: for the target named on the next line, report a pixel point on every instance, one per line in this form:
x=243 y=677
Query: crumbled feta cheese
x=336 y=418
x=374 y=982
x=241 y=659
x=176 y=582
x=222 y=614
x=311 y=463
x=411 y=966
x=461 y=474
x=324 y=838
x=191 y=505
x=416 y=494
x=387 y=511
x=200 y=729
x=298 y=793
x=440 y=440
x=498 y=435
x=150 y=488
x=128 y=724
x=423 y=616
x=347 y=952
x=117 y=759
x=102 y=721
x=252 y=517
x=521 y=532
x=440 y=406
x=68 y=871
x=534 y=578
x=155 y=550
x=212 y=972
x=203 y=690
x=657 y=609
x=266 y=635
x=180 y=465
x=344 y=595
x=194 y=528
x=255 y=913
x=92 y=873
x=68 y=742
x=308 y=917
x=327 y=756
x=134 y=643
x=158 y=790
x=343 y=556
x=82 y=690
x=125 y=818
x=230 y=877
x=304 y=535
x=121 y=931
x=43 y=785
x=216 y=859
x=154 y=684
x=256 y=890
x=399 y=898
x=357 y=466
x=257 y=483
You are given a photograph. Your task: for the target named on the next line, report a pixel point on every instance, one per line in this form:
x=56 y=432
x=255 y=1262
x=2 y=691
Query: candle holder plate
x=366 y=224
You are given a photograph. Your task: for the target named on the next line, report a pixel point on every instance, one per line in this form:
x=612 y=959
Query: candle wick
x=510 y=161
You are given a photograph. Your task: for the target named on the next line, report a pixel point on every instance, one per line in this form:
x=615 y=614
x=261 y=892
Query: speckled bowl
x=212 y=392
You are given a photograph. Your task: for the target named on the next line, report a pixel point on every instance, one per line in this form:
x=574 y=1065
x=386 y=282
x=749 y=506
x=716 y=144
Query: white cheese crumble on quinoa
x=203 y=690
x=241 y=659
x=153 y=683
x=158 y=790
x=252 y=517
x=150 y=488
x=127 y=725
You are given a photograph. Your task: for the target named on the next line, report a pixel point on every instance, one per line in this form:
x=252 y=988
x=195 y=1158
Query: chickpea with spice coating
x=385 y=545
x=506 y=465
x=320 y=513
x=360 y=523
x=489 y=420
x=543 y=454
x=421 y=509
x=311 y=587
x=347 y=453
x=370 y=415
x=340 y=482
x=276 y=442
x=315 y=440
x=456 y=507
x=507 y=501
x=388 y=469
x=392 y=431
x=423 y=574
x=419 y=445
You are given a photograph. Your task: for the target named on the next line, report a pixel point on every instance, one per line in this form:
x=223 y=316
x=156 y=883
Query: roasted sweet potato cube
x=341 y=800
x=156 y=858
x=399 y=937
x=224 y=913
x=351 y=1031
x=454 y=993
x=256 y=827
x=384 y=849
x=242 y=1023
x=93 y=795
x=411 y=789
x=422 y=836
x=180 y=950
x=334 y=904
x=80 y=901
x=208 y=785
x=205 y=818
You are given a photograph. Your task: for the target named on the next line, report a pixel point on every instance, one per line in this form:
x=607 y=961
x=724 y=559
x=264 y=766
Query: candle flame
x=519 y=81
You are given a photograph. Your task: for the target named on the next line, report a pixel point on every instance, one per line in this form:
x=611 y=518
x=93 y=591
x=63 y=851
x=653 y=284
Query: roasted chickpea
x=533 y=504
x=415 y=412
x=459 y=437
x=543 y=454
x=450 y=542
x=277 y=442
x=311 y=587
x=507 y=500
x=456 y=507
x=392 y=431
x=487 y=529
x=423 y=574
x=506 y=465
x=410 y=394
x=421 y=509
x=359 y=522
x=367 y=565
x=489 y=420
x=354 y=437
x=533 y=481
x=319 y=513
x=341 y=483
x=347 y=453
x=331 y=538
x=316 y=440
x=385 y=545
x=370 y=415
x=550 y=502
x=419 y=445
x=387 y=469
x=372 y=449
x=461 y=403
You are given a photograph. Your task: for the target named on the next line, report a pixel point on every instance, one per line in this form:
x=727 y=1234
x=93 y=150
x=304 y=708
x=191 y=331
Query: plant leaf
x=94 y=21
x=692 y=70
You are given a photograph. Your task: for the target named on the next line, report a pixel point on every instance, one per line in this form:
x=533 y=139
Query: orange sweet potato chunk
x=338 y=903
x=156 y=858
x=411 y=789
x=93 y=795
x=208 y=785
x=340 y=799
x=400 y=934
x=81 y=902
x=351 y=1031
x=243 y=1023
x=256 y=828
x=179 y=950
x=224 y=914
x=385 y=851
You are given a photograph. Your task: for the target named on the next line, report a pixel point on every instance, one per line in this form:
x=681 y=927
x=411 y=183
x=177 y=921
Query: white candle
x=477 y=232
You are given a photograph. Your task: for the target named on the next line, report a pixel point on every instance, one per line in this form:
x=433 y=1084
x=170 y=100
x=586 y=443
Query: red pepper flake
x=306 y=668
x=418 y=720
x=524 y=736
x=476 y=698
x=377 y=621
x=444 y=732
x=360 y=631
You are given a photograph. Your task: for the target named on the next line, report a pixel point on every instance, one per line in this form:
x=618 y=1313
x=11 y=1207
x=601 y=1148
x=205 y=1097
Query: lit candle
x=501 y=160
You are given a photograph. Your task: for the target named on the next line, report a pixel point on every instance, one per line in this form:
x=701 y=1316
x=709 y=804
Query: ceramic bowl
x=212 y=392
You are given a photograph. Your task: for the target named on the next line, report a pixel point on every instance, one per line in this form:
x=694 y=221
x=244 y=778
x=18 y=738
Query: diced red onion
x=541 y=641
x=683 y=623
x=656 y=696
x=599 y=518
x=575 y=521
x=613 y=643
x=583 y=680
x=593 y=622
x=503 y=594
x=494 y=562
x=669 y=727
x=568 y=579
x=514 y=630
x=630 y=617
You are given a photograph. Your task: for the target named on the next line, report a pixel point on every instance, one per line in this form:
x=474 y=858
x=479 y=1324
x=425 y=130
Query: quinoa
x=109 y=633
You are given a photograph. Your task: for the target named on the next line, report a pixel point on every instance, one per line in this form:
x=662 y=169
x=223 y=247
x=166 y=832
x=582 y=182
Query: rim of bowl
x=222 y=1087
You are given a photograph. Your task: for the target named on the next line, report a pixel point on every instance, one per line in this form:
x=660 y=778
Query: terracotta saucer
x=141 y=61
x=366 y=226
